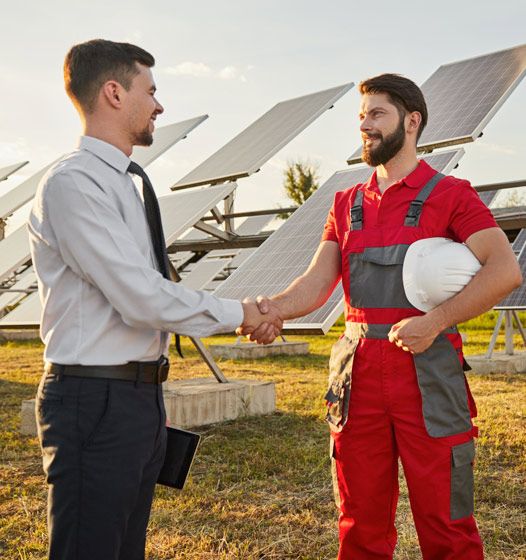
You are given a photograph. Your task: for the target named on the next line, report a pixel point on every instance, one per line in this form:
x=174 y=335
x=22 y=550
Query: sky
x=234 y=60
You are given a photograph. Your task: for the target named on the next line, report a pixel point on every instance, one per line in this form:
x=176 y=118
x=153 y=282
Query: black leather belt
x=147 y=372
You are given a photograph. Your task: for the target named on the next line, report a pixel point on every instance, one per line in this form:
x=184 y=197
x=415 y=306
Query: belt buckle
x=163 y=366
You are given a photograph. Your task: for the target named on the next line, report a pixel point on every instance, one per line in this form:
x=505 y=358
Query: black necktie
x=153 y=217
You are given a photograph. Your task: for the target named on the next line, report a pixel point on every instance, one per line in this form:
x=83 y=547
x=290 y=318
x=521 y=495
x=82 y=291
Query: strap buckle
x=413 y=213
x=415 y=209
x=356 y=217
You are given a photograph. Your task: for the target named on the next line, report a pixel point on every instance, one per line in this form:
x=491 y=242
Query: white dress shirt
x=104 y=301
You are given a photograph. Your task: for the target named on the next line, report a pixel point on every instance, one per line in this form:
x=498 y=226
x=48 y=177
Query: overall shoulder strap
x=415 y=208
x=357 y=211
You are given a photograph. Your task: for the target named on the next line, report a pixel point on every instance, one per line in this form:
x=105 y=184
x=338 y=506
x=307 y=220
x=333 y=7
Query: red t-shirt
x=453 y=209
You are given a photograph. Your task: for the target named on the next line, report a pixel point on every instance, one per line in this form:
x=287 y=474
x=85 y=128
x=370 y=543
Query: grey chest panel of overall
x=376 y=282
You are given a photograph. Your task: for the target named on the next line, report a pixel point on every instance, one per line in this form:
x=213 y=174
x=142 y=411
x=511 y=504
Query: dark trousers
x=103 y=444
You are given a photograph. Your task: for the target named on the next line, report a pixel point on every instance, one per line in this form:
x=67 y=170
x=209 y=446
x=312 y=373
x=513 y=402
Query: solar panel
x=165 y=137
x=517 y=299
x=462 y=97
x=14 y=252
x=203 y=272
x=183 y=210
x=19 y=195
x=287 y=253
x=27 y=314
x=24 y=281
x=487 y=197
x=10 y=169
x=255 y=145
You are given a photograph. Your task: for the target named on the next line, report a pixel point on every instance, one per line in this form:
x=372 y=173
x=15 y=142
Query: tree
x=301 y=180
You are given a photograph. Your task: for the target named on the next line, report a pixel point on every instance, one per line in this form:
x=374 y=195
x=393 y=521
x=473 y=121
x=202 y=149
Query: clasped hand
x=414 y=334
x=262 y=320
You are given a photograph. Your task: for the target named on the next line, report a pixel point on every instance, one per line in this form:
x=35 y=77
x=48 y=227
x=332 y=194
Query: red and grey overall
x=385 y=403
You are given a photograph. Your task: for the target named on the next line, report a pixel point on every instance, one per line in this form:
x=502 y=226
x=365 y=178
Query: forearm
x=312 y=289
x=302 y=297
x=500 y=274
x=494 y=281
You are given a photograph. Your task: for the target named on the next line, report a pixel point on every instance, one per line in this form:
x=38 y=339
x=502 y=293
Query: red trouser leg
x=385 y=419
x=427 y=468
x=367 y=466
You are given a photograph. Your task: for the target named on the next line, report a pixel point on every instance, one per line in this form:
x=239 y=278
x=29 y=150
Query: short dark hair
x=403 y=93
x=89 y=65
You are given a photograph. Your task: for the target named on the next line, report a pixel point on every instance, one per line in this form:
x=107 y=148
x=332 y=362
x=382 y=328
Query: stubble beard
x=387 y=149
x=142 y=137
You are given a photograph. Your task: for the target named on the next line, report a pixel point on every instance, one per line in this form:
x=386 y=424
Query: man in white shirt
x=107 y=314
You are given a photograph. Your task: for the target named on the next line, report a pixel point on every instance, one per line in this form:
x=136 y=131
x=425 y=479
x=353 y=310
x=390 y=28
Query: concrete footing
x=22 y=334
x=499 y=362
x=28 y=424
x=252 y=350
x=197 y=402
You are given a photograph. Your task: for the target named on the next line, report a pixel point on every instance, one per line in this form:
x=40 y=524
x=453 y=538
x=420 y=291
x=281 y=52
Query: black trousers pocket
x=462 y=484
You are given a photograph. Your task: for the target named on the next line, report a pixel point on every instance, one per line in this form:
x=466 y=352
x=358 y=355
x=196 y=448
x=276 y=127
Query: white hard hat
x=435 y=269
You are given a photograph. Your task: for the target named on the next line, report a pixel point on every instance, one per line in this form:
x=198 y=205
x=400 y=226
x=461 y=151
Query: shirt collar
x=106 y=152
x=414 y=180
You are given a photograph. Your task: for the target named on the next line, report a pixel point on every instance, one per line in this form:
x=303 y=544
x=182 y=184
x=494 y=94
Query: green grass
x=260 y=488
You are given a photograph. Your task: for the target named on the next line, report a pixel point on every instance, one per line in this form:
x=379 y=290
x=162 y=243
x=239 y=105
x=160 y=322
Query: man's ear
x=413 y=122
x=111 y=91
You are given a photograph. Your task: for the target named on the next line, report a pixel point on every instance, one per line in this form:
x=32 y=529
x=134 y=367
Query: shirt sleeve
x=329 y=230
x=94 y=241
x=468 y=214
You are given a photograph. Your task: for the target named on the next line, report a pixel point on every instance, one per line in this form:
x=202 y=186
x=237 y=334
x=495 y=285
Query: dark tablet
x=180 y=451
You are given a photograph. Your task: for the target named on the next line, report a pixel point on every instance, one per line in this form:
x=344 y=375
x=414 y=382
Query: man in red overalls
x=409 y=395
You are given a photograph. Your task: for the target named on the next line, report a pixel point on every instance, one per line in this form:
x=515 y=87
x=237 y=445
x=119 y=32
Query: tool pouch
x=339 y=393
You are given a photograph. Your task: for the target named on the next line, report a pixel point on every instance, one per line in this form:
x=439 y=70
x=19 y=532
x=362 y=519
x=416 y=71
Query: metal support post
x=229 y=209
x=519 y=326
x=496 y=330
x=508 y=332
x=210 y=362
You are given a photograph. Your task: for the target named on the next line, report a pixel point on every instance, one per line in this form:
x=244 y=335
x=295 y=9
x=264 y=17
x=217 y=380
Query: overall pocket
x=376 y=278
x=338 y=395
x=443 y=389
x=462 y=484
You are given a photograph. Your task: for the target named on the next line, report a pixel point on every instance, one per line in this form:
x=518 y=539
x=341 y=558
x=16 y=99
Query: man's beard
x=388 y=147
x=142 y=137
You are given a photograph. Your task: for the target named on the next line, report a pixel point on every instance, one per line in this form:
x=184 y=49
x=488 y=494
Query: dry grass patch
x=260 y=488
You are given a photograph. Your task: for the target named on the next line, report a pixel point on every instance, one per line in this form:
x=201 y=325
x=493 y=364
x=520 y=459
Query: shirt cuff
x=233 y=315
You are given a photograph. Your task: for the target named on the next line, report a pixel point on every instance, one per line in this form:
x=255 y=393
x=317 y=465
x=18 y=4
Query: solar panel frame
x=295 y=243
x=5 y=172
x=255 y=145
x=181 y=211
x=489 y=79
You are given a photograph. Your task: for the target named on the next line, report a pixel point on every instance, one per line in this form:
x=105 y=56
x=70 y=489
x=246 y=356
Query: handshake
x=262 y=321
